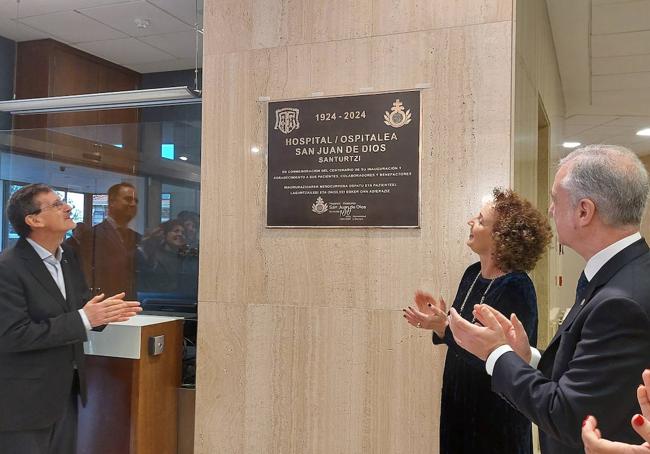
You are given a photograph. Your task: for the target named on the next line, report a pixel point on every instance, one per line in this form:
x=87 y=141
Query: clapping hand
x=595 y=444
x=478 y=340
x=513 y=329
x=102 y=311
x=429 y=314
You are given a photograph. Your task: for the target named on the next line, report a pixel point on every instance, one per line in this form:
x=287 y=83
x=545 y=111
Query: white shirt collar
x=596 y=262
x=44 y=253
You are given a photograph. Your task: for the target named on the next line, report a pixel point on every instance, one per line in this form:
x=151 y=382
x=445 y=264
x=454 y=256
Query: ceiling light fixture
x=571 y=144
x=102 y=101
x=643 y=132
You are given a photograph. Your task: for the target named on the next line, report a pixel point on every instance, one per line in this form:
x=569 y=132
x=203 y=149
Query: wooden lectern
x=132 y=387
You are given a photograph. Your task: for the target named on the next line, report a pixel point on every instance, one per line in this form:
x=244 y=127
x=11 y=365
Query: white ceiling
x=108 y=29
x=603 y=50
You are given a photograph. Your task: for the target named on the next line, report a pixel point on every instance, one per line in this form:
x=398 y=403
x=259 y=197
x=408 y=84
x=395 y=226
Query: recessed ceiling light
x=255 y=149
x=643 y=132
x=183 y=158
x=571 y=144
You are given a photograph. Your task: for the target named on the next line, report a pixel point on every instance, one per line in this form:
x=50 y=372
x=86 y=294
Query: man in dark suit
x=592 y=365
x=108 y=250
x=45 y=313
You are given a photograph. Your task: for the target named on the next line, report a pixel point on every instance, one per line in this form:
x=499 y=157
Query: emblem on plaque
x=319 y=207
x=397 y=117
x=286 y=119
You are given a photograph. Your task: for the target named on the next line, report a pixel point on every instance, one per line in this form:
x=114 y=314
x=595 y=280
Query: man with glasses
x=45 y=313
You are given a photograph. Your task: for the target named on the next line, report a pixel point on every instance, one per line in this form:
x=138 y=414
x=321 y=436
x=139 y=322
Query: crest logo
x=397 y=117
x=319 y=207
x=286 y=119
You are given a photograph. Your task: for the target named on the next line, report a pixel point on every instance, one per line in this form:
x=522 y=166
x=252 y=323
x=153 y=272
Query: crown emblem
x=397 y=117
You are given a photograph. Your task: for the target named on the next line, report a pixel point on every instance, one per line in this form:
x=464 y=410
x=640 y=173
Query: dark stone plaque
x=349 y=161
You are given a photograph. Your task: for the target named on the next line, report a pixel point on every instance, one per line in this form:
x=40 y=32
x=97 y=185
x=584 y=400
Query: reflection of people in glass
x=77 y=235
x=108 y=251
x=165 y=266
x=509 y=235
x=190 y=221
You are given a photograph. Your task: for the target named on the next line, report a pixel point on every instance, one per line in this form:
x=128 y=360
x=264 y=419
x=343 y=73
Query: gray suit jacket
x=594 y=363
x=41 y=336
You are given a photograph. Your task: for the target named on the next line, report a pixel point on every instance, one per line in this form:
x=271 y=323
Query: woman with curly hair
x=509 y=235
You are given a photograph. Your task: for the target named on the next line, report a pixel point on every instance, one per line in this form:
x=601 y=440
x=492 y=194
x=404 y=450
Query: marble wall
x=302 y=344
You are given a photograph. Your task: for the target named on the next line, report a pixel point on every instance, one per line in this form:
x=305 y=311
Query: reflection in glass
x=124 y=240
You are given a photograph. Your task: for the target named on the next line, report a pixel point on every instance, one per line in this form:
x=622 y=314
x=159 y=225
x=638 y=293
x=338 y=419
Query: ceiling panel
x=184 y=10
x=634 y=122
x=616 y=81
x=125 y=51
x=607 y=2
x=629 y=102
x=589 y=120
x=72 y=27
x=123 y=17
x=162 y=66
x=180 y=45
x=619 y=65
x=635 y=43
x=621 y=17
x=28 y=8
x=19 y=32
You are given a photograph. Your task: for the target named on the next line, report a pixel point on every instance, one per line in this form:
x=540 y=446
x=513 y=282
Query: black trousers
x=59 y=438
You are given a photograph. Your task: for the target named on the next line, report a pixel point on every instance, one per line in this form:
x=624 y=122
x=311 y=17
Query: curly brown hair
x=521 y=233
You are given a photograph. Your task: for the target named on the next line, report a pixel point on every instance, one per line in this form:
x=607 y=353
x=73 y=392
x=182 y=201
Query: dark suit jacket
x=41 y=338
x=594 y=363
x=108 y=262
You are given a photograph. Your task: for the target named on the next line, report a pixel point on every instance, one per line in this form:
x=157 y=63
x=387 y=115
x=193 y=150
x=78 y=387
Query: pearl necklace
x=462 y=306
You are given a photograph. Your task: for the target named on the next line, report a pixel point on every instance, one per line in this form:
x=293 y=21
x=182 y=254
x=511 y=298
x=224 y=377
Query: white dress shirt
x=595 y=263
x=53 y=265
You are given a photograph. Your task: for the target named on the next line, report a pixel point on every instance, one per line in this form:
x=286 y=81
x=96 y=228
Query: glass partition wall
x=135 y=189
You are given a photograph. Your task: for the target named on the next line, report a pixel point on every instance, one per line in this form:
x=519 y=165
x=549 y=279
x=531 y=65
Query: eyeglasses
x=59 y=205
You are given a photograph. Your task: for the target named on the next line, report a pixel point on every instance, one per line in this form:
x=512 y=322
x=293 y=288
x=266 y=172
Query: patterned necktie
x=581 y=287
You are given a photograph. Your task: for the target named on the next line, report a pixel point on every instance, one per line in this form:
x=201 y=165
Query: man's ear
x=33 y=221
x=586 y=211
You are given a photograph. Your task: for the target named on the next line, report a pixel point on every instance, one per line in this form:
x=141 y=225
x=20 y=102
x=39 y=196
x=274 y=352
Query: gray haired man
x=592 y=365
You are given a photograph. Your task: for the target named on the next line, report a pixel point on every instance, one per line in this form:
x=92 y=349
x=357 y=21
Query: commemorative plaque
x=349 y=161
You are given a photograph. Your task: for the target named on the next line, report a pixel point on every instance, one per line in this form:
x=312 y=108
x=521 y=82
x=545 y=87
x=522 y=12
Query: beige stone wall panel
x=464 y=134
x=302 y=344
x=316 y=380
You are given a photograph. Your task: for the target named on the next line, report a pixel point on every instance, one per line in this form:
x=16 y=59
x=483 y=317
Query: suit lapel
x=70 y=290
x=111 y=235
x=603 y=276
x=36 y=266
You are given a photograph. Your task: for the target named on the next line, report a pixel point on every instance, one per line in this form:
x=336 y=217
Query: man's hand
x=515 y=333
x=102 y=311
x=478 y=340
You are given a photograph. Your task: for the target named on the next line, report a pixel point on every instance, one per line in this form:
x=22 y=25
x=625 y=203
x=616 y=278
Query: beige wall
x=302 y=344
x=537 y=80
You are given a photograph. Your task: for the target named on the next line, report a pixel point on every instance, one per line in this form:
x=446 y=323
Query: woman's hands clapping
x=595 y=444
x=429 y=313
